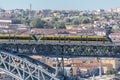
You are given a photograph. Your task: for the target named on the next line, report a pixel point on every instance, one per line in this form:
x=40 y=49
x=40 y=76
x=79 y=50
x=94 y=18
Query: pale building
x=6 y=20
x=118 y=9
x=73 y=27
x=115 y=37
x=4 y=23
x=110 y=63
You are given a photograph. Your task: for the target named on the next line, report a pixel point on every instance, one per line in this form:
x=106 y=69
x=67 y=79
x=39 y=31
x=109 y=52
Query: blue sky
x=60 y=4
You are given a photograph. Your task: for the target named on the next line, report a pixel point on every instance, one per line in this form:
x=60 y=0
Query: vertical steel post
x=100 y=68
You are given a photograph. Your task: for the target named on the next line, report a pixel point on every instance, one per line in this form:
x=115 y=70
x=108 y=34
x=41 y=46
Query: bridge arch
x=22 y=69
x=10 y=74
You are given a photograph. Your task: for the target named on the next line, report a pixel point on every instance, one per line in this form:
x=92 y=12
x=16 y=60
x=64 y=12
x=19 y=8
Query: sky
x=60 y=4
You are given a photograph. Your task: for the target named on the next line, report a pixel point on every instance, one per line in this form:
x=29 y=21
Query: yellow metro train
x=38 y=38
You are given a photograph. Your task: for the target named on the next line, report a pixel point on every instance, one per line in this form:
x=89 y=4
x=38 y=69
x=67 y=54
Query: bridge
x=63 y=49
x=21 y=68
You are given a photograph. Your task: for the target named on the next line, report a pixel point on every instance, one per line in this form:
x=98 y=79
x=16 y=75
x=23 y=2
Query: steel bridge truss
x=22 y=69
x=64 y=50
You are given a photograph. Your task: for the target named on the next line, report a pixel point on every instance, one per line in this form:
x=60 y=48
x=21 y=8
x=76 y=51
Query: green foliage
x=16 y=21
x=61 y=18
x=54 y=19
x=84 y=20
x=110 y=72
x=37 y=23
x=48 y=24
x=67 y=20
x=59 y=25
x=115 y=30
x=25 y=21
x=75 y=22
x=81 y=20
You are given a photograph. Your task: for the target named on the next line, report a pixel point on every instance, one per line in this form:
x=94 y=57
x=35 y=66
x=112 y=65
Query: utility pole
x=29 y=18
x=30 y=11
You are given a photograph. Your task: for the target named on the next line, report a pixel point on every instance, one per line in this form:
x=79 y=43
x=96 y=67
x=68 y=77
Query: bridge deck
x=64 y=49
x=61 y=43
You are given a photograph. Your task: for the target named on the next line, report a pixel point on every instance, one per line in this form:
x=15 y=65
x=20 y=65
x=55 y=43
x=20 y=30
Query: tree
x=37 y=23
x=59 y=25
x=54 y=19
x=25 y=21
x=66 y=20
x=108 y=30
x=84 y=20
x=75 y=22
x=112 y=71
x=16 y=21
x=48 y=24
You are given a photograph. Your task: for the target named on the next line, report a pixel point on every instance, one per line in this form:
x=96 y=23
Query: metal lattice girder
x=63 y=49
x=22 y=69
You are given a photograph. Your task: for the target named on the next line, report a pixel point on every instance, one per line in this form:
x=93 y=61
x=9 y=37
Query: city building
x=110 y=63
x=115 y=37
x=4 y=23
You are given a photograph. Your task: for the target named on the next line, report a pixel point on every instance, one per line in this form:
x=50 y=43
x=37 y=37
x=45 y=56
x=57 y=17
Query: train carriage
x=54 y=38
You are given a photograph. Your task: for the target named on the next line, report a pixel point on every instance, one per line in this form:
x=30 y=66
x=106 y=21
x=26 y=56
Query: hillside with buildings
x=67 y=22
